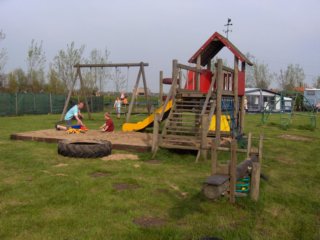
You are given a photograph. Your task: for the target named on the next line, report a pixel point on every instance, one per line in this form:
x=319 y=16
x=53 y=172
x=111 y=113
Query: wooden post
x=198 y=74
x=219 y=80
x=233 y=170
x=255 y=174
x=134 y=93
x=180 y=79
x=145 y=88
x=260 y=147
x=69 y=95
x=255 y=181
x=249 y=145
x=242 y=109
x=204 y=141
x=161 y=89
x=209 y=66
x=84 y=93
x=155 y=136
x=214 y=156
x=242 y=114
x=235 y=92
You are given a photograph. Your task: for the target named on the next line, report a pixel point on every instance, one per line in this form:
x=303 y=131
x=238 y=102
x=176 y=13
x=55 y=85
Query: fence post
x=34 y=103
x=50 y=102
x=16 y=103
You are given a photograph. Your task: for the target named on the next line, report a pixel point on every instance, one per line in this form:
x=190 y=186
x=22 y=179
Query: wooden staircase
x=182 y=129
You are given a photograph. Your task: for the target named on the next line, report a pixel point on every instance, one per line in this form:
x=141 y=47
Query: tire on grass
x=84 y=149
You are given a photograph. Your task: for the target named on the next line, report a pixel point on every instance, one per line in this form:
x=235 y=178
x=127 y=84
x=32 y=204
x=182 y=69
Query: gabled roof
x=213 y=45
x=252 y=90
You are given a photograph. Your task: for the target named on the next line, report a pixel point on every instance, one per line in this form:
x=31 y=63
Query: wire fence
x=41 y=103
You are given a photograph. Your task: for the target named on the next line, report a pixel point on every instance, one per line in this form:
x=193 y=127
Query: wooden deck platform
x=134 y=141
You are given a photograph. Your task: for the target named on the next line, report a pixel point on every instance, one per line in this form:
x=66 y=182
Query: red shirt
x=109 y=124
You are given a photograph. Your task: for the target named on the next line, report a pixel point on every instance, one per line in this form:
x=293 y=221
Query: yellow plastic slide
x=224 y=123
x=126 y=127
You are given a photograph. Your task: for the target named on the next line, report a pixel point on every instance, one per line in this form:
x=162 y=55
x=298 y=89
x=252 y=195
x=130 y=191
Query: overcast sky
x=276 y=32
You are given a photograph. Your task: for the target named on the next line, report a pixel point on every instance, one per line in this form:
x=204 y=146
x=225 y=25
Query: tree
x=3 y=59
x=96 y=77
x=55 y=85
x=317 y=82
x=35 y=63
x=258 y=75
x=291 y=78
x=64 y=61
x=119 y=80
x=18 y=81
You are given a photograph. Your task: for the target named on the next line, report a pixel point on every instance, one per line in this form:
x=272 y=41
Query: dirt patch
x=162 y=190
x=99 y=174
x=125 y=186
x=295 y=138
x=61 y=165
x=149 y=222
x=285 y=160
x=120 y=156
x=153 y=161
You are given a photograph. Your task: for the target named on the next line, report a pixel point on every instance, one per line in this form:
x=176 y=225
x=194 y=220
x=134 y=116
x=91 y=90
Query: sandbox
x=120 y=140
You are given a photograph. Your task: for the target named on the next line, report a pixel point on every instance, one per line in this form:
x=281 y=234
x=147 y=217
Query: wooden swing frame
x=141 y=74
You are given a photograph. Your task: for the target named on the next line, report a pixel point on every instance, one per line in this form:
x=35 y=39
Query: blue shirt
x=71 y=113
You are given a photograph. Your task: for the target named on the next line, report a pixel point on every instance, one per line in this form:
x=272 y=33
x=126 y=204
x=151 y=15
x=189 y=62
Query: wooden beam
x=198 y=73
x=69 y=95
x=155 y=136
x=110 y=65
x=134 y=93
x=242 y=113
x=233 y=170
x=204 y=140
x=219 y=81
x=186 y=67
x=255 y=181
x=235 y=92
x=84 y=94
x=161 y=89
x=145 y=88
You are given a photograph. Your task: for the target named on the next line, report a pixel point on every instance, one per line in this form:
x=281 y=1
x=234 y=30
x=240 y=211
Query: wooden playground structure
x=199 y=103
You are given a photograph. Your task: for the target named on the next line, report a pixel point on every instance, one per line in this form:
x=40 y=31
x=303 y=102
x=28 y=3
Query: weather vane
x=227 y=25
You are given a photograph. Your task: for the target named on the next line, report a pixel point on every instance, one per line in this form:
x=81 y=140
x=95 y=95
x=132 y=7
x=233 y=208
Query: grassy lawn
x=46 y=196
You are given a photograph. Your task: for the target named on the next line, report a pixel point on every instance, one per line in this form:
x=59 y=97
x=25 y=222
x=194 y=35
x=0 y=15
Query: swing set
x=141 y=74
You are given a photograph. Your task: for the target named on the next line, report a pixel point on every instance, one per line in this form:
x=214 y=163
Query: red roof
x=212 y=46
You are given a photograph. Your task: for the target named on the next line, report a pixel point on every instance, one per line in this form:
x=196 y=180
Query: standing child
x=108 y=126
x=117 y=106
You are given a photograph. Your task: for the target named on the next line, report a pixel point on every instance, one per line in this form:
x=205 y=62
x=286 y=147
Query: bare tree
x=292 y=77
x=64 y=61
x=258 y=75
x=317 y=82
x=96 y=78
x=36 y=60
x=119 y=80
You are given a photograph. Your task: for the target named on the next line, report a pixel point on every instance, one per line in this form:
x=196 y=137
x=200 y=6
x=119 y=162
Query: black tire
x=84 y=149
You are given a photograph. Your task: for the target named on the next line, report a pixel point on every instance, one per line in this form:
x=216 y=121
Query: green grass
x=39 y=200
